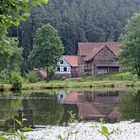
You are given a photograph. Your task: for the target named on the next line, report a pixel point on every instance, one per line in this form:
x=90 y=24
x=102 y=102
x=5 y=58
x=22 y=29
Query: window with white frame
x=65 y=68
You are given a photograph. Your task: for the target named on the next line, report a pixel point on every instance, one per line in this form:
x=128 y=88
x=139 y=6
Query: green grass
x=115 y=76
x=118 y=80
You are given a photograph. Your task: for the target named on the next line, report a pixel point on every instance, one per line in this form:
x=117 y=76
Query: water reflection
x=37 y=108
x=41 y=108
x=94 y=105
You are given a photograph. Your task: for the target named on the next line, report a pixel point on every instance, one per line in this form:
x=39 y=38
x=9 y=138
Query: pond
x=43 y=108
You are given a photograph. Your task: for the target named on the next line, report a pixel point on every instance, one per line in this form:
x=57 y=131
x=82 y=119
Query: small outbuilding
x=67 y=66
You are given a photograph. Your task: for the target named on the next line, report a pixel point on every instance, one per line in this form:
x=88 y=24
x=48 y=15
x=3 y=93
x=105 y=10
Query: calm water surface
x=42 y=108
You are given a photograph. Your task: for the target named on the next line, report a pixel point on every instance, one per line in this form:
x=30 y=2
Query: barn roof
x=91 y=49
x=72 y=60
x=72 y=98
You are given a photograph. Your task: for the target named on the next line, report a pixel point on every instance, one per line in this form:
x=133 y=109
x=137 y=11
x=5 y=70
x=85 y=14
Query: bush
x=32 y=77
x=16 y=80
x=5 y=77
x=51 y=71
x=1 y=87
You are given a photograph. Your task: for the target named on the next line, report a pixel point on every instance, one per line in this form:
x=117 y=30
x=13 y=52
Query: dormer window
x=61 y=61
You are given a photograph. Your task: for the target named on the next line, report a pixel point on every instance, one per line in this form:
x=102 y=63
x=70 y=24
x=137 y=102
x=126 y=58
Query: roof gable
x=72 y=60
x=91 y=49
x=93 y=53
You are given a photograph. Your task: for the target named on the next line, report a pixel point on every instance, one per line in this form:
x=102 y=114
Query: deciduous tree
x=10 y=54
x=47 y=47
x=11 y=12
x=130 y=49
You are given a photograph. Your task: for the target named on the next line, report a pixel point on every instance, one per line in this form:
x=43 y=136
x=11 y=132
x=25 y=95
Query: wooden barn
x=98 y=58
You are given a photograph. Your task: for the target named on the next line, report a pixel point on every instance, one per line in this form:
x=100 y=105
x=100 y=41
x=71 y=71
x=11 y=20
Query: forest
x=76 y=21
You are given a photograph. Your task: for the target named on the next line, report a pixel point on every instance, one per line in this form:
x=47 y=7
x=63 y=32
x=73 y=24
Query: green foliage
x=32 y=76
x=130 y=54
x=11 y=12
x=79 y=20
x=113 y=76
x=103 y=130
x=60 y=137
x=11 y=58
x=16 y=80
x=19 y=134
x=47 y=47
x=16 y=58
x=10 y=54
x=76 y=21
x=26 y=129
x=2 y=137
x=71 y=130
x=129 y=103
x=72 y=117
x=51 y=71
x=5 y=77
x=19 y=122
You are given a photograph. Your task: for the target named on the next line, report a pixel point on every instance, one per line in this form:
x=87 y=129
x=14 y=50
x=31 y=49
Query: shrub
x=16 y=80
x=1 y=87
x=51 y=71
x=32 y=77
x=5 y=77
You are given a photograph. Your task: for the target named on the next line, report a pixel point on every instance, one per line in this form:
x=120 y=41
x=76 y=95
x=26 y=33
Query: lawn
x=117 y=80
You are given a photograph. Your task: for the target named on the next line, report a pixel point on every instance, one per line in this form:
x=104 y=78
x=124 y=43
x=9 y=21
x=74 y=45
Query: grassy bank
x=120 y=80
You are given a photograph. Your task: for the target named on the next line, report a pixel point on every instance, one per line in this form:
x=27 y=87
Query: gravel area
x=126 y=130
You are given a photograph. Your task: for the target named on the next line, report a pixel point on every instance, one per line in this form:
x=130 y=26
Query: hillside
x=77 y=21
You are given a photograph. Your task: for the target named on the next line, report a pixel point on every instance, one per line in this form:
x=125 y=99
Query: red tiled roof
x=72 y=60
x=91 y=49
x=72 y=98
x=93 y=53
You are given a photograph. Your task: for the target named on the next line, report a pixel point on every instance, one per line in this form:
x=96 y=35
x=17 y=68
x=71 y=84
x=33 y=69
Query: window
x=58 y=68
x=61 y=61
x=65 y=68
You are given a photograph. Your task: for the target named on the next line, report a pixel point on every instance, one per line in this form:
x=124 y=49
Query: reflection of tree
x=41 y=107
x=130 y=107
x=8 y=108
x=46 y=110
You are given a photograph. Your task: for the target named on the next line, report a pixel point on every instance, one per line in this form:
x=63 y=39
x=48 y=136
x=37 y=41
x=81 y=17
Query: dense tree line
x=77 y=20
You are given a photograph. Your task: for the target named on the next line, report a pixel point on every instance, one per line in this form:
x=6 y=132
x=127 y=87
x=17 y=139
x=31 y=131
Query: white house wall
x=62 y=66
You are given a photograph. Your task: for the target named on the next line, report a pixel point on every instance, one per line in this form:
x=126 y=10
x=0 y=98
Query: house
x=67 y=66
x=98 y=58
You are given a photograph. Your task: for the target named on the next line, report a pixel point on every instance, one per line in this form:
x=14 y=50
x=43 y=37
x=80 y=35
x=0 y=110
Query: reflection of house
x=93 y=105
x=97 y=58
x=67 y=66
x=61 y=95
